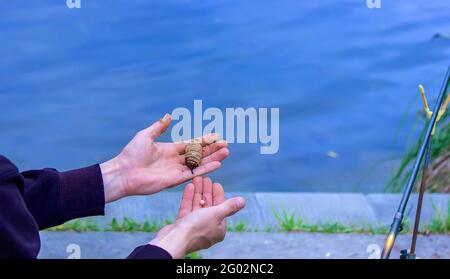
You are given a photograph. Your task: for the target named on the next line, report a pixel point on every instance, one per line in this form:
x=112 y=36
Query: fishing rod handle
x=396 y=227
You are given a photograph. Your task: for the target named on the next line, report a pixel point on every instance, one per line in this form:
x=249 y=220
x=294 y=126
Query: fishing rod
x=412 y=251
x=425 y=150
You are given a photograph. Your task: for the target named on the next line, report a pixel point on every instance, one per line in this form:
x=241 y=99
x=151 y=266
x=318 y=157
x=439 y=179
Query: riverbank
x=273 y=225
x=272 y=211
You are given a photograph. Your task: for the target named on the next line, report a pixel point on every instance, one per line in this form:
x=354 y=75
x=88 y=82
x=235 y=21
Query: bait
x=193 y=154
x=202 y=203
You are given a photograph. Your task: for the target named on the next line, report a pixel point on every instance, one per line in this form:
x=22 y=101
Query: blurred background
x=76 y=84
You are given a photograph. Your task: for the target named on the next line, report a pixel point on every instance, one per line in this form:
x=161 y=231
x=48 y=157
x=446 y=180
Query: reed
x=439 y=173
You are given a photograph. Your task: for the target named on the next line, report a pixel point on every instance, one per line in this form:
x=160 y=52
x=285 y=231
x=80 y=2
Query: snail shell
x=193 y=154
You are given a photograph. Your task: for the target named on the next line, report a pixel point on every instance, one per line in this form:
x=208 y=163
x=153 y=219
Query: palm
x=150 y=166
x=193 y=194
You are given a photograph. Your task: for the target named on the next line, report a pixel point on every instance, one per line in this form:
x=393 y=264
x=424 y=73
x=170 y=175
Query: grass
x=440 y=222
x=126 y=225
x=268 y=229
x=238 y=226
x=440 y=146
x=193 y=256
x=289 y=222
x=77 y=226
x=130 y=225
x=286 y=221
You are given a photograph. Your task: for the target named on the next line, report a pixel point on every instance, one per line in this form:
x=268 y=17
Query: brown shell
x=193 y=154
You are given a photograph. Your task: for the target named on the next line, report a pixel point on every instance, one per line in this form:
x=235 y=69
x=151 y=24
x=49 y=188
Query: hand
x=198 y=227
x=145 y=166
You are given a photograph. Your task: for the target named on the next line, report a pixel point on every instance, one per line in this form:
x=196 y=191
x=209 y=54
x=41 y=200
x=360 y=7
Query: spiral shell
x=193 y=154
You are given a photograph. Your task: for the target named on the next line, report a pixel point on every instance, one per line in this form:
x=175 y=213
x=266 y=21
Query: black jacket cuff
x=149 y=252
x=82 y=193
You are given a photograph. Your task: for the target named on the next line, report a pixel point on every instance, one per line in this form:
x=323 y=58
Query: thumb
x=230 y=207
x=159 y=127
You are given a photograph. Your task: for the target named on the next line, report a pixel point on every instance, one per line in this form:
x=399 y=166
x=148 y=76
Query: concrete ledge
x=346 y=208
x=385 y=205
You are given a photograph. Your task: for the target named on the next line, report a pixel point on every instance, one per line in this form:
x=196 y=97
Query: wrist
x=113 y=180
x=175 y=243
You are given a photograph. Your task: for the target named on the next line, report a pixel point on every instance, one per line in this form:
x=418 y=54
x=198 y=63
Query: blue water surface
x=76 y=84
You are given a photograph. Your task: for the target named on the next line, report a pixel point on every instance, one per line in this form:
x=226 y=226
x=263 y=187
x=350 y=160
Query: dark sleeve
x=38 y=199
x=149 y=252
x=56 y=197
x=19 y=235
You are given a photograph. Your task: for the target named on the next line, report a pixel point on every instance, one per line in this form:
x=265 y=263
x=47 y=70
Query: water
x=75 y=85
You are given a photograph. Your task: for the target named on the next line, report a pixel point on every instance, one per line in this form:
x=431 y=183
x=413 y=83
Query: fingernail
x=165 y=118
x=240 y=202
x=223 y=142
